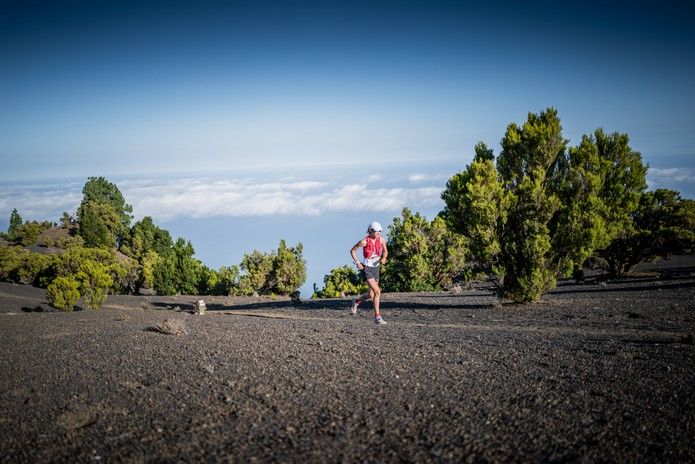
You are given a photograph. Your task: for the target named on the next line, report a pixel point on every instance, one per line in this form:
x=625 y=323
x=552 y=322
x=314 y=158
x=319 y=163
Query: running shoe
x=379 y=320
x=353 y=308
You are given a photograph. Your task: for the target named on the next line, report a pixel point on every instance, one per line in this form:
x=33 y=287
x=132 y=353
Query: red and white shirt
x=372 y=251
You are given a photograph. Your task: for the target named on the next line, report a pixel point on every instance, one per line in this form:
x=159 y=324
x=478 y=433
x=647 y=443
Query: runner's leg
x=365 y=296
x=375 y=293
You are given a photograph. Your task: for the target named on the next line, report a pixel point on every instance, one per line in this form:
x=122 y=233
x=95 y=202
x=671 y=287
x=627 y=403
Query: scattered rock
x=199 y=307
x=209 y=368
x=77 y=418
x=170 y=327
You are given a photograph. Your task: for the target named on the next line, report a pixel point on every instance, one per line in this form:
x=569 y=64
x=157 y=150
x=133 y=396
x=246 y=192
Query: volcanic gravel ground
x=591 y=373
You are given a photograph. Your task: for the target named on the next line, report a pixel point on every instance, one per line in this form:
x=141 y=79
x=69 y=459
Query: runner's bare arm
x=385 y=252
x=353 y=252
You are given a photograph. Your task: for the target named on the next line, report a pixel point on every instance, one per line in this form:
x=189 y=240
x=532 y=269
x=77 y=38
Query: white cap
x=375 y=226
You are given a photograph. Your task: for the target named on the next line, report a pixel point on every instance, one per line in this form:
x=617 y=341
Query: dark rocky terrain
x=594 y=372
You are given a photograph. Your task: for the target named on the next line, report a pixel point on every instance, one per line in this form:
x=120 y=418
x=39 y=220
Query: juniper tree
x=288 y=271
x=408 y=269
x=531 y=157
x=477 y=207
x=281 y=271
x=176 y=270
x=15 y=225
x=624 y=180
x=580 y=227
x=98 y=192
x=256 y=267
x=228 y=280
x=663 y=224
x=423 y=255
x=545 y=209
x=99 y=223
x=145 y=236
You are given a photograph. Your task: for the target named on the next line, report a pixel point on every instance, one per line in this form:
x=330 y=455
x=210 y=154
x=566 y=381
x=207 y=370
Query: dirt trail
x=592 y=373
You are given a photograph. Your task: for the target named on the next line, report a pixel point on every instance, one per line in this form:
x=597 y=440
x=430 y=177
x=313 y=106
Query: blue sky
x=169 y=93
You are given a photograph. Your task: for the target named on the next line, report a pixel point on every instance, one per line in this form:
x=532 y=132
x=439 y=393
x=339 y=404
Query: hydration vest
x=372 y=249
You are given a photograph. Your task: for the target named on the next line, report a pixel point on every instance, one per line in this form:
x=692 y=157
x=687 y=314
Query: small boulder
x=170 y=327
x=199 y=307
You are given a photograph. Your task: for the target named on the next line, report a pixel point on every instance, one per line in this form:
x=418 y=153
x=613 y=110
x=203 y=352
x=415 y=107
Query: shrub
x=279 y=272
x=125 y=273
x=66 y=220
x=10 y=260
x=289 y=269
x=256 y=267
x=69 y=242
x=423 y=255
x=94 y=282
x=164 y=279
x=208 y=281
x=28 y=234
x=35 y=268
x=23 y=266
x=178 y=271
x=663 y=224
x=339 y=282
x=227 y=280
x=47 y=242
x=63 y=293
x=70 y=262
x=149 y=262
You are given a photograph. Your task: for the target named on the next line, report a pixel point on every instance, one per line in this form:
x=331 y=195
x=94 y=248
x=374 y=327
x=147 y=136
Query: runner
x=374 y=252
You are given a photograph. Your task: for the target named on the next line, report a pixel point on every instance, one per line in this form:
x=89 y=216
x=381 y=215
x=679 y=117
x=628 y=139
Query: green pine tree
x=532 y=155
x=15 y=226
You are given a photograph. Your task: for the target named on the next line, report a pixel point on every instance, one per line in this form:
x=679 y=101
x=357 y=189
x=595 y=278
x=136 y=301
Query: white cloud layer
x=41 y=202
x=686 y=175
x=197 y=198
x=419 y=178
x=204 y=197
